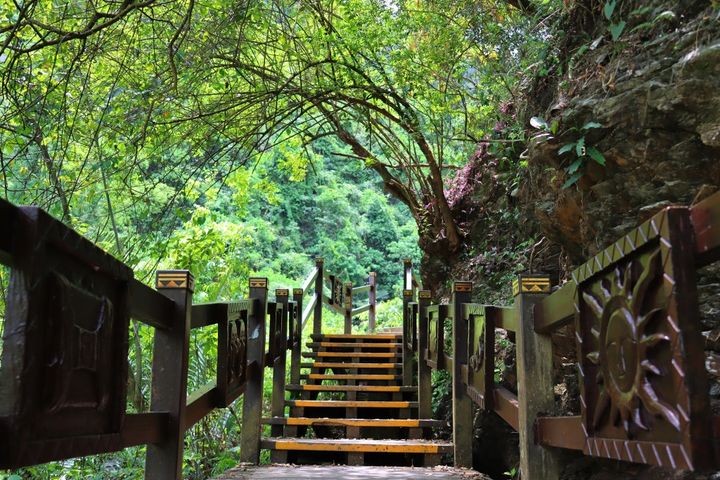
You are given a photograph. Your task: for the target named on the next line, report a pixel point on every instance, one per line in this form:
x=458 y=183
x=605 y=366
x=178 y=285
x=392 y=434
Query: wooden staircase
x=351 y=408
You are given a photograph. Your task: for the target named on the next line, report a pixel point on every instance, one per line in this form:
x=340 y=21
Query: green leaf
x=616 y=29
x=591 y=125
x=572 y=180
x=609 y=8
x=595 y=154
x=554 y=127
x=580 y=147
x=538 y=123
x=566 y=148
x=575 y=166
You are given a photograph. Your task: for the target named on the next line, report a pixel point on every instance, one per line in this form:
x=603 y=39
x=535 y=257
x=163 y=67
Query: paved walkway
x=332 y=472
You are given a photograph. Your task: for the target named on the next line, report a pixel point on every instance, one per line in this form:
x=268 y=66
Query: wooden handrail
x=309 y=280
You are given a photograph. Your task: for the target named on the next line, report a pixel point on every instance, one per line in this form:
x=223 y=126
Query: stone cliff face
x=653 y=96
x=656 y=96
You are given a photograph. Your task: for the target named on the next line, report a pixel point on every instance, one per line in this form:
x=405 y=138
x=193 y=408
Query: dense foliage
x=250 y=137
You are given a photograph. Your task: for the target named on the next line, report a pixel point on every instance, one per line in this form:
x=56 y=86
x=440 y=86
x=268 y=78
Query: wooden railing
x=64 y=365
x=641 y=365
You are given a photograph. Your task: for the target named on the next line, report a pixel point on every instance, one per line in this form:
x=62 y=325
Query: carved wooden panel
x=436 y=336
x=336 y=291
x=64 y=362
x=644 y=396
x=232 y=352
x=276 y=341
x=410 y=326
x=481 y=354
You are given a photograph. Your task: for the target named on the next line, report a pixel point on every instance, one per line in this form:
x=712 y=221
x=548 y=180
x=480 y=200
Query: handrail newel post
x=372 y=300
x=462 y=404
x=407 y=352
x=534 y=378
x=347 y=306
x=252 y=403
x=319 y=283
x=424 y=372
x=169 y=375
x=277 y=405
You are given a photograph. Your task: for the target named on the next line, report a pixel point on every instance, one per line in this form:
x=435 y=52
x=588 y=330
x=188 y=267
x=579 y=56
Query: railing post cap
x=407 y=293
x=282 y=292
x=462 y=286
x=319 y=260
x=531 y=283
x=174 y=279
x=424 y=294
x=258 y=282
x=407 y=262
x=372 y=274
x=298 y=291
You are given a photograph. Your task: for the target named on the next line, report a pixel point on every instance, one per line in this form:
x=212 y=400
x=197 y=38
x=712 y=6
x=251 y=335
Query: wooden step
x=340 y=337
x=352 y=354
x=350 y=404
x=355 y=422
x=359 y=377
x=350 y=388
x=350 y=365
x=352 y=345
x=356 y=445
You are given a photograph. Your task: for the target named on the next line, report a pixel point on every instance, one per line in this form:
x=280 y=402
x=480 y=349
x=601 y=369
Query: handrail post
x=534 y=376
x=252 y=402
x=372 y=300
x=462 y=404
x=319 y=282
x=277 y=406
x=295 y=355
x=348 y=304
x=407 y=353
x=424 y=373
x=169 y=375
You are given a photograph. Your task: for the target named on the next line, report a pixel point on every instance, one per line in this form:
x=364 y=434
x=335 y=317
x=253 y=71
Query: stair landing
x=332 y=472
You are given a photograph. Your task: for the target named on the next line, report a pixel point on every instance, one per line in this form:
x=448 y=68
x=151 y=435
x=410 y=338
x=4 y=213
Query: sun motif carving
x=624 y=348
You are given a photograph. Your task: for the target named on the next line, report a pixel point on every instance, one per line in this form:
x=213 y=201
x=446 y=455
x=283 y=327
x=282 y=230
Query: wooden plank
x=391 y=345
x=144 y=428
x=309 y=308
x=350 y=365
x=534 y=361
x=360 y=310
x=149 y=306
x=504 y=317
x=356 y=422
x=355 y=355
x=310 y=280
x=560 y=432
x=361 y=289
x=169 y=377
x=321 y=376
x=556 y=310
x=339 y=336
x=351 y=403
x=356 y=445
x=200 y=403
x=424 y=372
x=506 y=405
x=350 y=388
x=705 y=218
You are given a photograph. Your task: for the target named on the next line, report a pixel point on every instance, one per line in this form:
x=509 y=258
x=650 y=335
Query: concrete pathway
x=334 y=472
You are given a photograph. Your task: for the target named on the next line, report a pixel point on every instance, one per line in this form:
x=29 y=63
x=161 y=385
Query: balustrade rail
x=640 y=361
x=64 y=365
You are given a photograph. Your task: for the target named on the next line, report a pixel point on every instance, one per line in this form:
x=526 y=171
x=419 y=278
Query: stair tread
x=356 y=422
x=369 y=376
x=357 y=445
x=349 y=365
x=352 y=403
x=353 y=345
x=339 y=336
x=351 y=388
x=352 y=354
